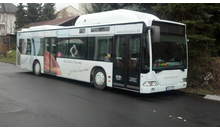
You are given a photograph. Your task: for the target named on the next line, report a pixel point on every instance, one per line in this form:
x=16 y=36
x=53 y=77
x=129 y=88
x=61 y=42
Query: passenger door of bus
x=50 y=56
x=126 y=62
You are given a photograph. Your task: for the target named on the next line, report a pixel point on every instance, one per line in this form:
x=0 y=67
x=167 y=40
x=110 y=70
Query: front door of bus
x=126 y=63
x=50 y=56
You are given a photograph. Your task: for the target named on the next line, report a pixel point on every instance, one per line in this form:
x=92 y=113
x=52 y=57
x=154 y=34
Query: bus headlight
x=150 y=83
x=183 y=80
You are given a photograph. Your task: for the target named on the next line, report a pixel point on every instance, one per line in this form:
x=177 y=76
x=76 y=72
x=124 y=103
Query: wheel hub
x=99 y=78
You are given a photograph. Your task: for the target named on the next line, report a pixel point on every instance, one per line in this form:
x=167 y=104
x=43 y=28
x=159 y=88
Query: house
x=71 y=11
x=83 y=6
x=67 y=21
x=7 y=18
x=7 y=23
x=67 y=12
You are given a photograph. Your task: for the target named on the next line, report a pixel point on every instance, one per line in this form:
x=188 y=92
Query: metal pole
x=5 y=46
x=5 y=34
x=5 y=50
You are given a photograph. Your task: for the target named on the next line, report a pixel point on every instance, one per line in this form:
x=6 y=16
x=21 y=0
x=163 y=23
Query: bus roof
x=43 y=27
x=115 y=16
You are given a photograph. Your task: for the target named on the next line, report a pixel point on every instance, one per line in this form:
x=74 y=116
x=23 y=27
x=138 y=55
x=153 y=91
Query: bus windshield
x=169 y=53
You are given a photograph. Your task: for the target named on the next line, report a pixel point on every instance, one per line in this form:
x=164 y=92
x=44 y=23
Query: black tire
x=99 y=79
x=37 y=68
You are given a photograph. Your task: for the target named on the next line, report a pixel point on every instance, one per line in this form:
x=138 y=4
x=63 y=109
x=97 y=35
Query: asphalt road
x=29 y=100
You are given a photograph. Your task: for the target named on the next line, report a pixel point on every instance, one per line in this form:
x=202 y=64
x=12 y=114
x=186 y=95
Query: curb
x=212 y=97
x=190 y=94
x=207 y=96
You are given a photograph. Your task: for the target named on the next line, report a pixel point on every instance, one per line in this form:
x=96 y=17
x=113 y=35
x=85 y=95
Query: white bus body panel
x=101 y=33
x=81 y=69
x=52 y=33
x=63 y=33
x=26 y=62
x=38 y=34
x=167 y=80
x=129 y=29
x=75 y=32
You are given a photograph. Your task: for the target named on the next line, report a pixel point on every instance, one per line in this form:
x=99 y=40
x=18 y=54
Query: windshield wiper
x=159 y=70
x=175 y=67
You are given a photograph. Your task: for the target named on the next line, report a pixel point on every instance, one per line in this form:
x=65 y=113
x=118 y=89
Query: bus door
x=50 y=51
x=126 y=62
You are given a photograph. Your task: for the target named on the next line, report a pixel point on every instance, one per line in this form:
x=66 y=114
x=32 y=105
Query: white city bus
x=121 y=49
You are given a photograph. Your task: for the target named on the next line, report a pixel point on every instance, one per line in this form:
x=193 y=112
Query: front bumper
x=154 y=89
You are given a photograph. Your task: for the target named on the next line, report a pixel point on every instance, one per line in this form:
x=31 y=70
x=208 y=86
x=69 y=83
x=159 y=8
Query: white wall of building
x=7 y=20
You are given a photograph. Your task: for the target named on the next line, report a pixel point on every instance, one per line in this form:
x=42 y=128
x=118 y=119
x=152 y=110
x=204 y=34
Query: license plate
x=169 y=88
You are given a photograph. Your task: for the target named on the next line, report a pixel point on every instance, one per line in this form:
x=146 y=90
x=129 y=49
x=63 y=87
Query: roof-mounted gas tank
x=115 y=16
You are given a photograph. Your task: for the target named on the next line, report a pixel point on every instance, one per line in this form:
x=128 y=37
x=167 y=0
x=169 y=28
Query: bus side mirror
x=156 y=33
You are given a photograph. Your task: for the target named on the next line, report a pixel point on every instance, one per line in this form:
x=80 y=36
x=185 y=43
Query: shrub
x=204 y=72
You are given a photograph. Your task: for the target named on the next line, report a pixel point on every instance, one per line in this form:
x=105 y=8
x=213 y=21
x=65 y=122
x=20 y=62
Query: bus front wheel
x=99 y=79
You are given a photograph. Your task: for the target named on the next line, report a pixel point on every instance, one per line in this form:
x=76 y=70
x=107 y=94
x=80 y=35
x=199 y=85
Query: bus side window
x=77 y=48
x=91 y=48
x=41 y=47
x=20 y=46
x=28 y=49
x=102 y=51
x=103 y=48
x=23 y=46
x=62 y=47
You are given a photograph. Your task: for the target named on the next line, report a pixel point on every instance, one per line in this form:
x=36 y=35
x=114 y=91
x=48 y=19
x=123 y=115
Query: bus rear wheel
x=99 y=79
x=37 y=68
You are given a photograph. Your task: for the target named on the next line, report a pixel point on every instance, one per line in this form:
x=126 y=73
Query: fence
x=7 y=43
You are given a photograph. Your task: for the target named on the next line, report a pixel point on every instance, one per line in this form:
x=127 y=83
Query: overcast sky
x=60 y=6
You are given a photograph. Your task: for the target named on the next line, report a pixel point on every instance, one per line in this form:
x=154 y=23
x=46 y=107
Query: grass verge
x=11 y=57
